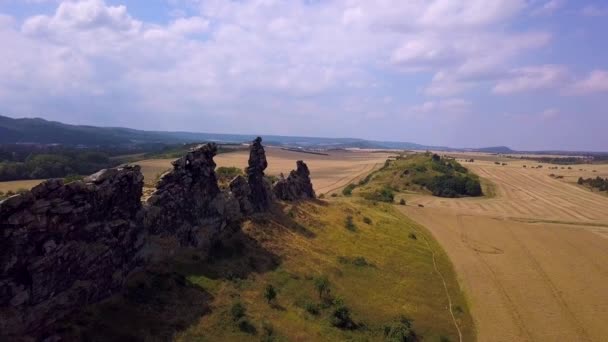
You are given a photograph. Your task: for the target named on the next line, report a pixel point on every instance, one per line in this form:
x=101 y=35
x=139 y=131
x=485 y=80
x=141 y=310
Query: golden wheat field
x=532 y=258
x=20 y=184
x=329 y=173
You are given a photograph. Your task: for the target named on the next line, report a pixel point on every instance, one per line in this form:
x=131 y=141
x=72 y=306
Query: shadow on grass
x=160 y=302
x=164 y=299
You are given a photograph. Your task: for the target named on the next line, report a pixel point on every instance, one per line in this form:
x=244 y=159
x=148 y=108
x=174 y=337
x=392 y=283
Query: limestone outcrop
x=63 y=245
x=296 y=186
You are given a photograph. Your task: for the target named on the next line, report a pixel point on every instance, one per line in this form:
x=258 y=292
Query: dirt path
x=528 y=278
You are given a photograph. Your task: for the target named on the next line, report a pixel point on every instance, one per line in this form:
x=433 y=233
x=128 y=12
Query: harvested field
x=20 y=184
x=532 y=258
x=329 y=173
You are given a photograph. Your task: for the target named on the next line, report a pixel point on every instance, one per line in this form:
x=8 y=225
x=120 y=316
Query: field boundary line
x=445 y=285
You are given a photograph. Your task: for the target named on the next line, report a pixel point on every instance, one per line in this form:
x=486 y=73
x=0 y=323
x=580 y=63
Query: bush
x=340 y=318
x=349 y=224
x=412 y=236
x=386 y=194
x=322 y=286
x=321 y=196
x=237 y=311
x=334 y=195
x=270 y=293
x=402 y=202
x=367 y=220
x=400 y=331
x=348 y=190
x=246 y=326
x=312 y=308
x=356 y=261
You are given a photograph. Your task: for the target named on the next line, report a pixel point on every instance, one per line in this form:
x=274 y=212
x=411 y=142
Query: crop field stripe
x=554 y=290
x=517 y=319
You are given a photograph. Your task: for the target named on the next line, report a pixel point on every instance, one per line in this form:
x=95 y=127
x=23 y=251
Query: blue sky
x=529 y=74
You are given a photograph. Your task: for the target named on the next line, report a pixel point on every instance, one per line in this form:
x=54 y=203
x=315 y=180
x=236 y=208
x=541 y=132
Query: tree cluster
x=597 y=183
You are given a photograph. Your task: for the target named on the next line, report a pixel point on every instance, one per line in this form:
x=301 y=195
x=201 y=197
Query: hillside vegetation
x=347 y=269
x=443 y=177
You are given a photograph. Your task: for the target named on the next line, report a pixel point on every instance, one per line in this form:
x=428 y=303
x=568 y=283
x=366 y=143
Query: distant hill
x=40 y=131
x=495 y=149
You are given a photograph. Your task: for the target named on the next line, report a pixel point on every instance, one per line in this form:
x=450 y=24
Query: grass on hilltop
x=423 y=172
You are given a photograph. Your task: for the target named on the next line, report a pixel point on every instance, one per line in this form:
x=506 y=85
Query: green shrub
x=340 y=318
x=349 y=224
x=237 y=311
x=246 y=326
x=270 y=293
x=348 y=190
x=322 y=286
x=312 y=308
x=386 y=194
x=400 y=331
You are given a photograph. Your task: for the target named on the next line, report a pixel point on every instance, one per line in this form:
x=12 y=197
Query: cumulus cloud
x=595 y=82
x=228 y=59
x=532 y=78
x=595 y=11
x=449 y=107
x=549 y=7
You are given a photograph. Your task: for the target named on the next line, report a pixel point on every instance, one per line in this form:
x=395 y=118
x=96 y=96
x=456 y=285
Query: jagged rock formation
x=63 y=246
x=242 y=192
x=261 y=194
x=296 y=186
x=67 y=244
x=188 y=204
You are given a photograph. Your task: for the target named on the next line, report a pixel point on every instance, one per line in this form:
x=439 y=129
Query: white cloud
x=231 y=57
x=532 y=78
x=594 y=11
x=549 y=7
x=595 y=82
x=450 y=106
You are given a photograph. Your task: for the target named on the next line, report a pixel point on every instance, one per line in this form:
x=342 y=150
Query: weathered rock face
x=296 y=186
x=188 y=204
x=66 y=245
x=242 y=192
x=261 y=194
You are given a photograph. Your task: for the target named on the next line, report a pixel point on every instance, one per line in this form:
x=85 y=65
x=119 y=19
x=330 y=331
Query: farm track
x=531 y=259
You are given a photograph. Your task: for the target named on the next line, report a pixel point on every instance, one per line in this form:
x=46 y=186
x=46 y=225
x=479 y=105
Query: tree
x=322 y=286
x=270 y=293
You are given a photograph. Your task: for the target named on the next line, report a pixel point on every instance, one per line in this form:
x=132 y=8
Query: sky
x=528 y=74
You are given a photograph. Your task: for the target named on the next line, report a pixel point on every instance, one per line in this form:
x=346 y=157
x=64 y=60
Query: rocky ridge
x=63 y=246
